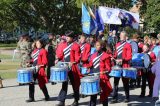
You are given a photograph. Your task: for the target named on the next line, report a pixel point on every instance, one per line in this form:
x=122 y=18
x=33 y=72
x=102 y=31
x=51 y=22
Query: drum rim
x=58 y=68
x=130 y=69
x=91 y=93
x=24 y=71
x=58 y=81
x=117 y=69
x=96 y=78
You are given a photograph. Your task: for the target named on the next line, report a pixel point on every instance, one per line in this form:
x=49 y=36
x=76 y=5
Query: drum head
x=90 y=79
x=134 y=47
x=146 y=60
x=53 y=68
x=156 y=50
x=29 y=69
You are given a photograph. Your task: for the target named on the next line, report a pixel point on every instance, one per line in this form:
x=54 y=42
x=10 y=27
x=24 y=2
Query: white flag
x=109 y=15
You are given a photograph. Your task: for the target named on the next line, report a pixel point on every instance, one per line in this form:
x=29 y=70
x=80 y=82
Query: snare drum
x=116 y=72
x=25 y=75
x=58 y=74
x=90 y=85
x=137 y=60
x=130 y=73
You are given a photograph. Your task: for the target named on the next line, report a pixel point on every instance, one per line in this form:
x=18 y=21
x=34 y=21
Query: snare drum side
x=58 y=75
x=130 y=73
x=24 y=76
x=90 y=86
x=116 y=73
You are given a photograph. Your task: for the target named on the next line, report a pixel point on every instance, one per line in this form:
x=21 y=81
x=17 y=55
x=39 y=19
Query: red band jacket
x=74 y=57
x=85 y=53
x=104 y=65
x=126 y=54
x=42 y=60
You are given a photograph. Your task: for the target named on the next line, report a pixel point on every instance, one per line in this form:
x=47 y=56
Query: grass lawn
x=4 y=56
x=8 y=46
x=8 y=75
x=8 y=69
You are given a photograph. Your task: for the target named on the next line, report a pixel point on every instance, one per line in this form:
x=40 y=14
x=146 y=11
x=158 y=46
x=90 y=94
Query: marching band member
x=92 y=40
x=145 y=39
x=123 y=54
x=101 y=61
x=156 y=71
x=147 y=74
x=39 y=60
x=71 y=54
x=85 y=51
x=60 y=48
x=133 y=82
x=154 y=44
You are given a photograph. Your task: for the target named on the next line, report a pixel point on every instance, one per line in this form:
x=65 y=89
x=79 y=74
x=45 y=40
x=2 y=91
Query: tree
x=152 y=15
x=54 y=16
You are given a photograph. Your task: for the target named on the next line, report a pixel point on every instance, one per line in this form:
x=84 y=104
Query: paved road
x=13 y=95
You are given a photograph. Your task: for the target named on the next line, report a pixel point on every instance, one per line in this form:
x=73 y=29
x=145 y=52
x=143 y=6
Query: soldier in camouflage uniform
x=50 y=47
x=24 y=46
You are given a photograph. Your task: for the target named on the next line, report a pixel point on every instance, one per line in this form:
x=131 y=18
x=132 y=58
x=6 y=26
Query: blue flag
x=86 y=20
x=89 y=24
x=99 y=21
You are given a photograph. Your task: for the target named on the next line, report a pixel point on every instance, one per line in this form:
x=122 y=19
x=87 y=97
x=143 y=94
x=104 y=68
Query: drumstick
x=35 y=66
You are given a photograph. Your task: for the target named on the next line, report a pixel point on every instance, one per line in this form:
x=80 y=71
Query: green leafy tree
x=50 y=15
x=152 y=14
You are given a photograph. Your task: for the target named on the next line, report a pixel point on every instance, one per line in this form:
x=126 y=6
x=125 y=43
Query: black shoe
x=60 y=104
x=83 y=96
x=138 y=86
x=126 y=100
x=141 y=96
x=114 y=101
x=75 y=103
x=132 y=86
x=30 y=100
x=53 y=83
x=47 y=98
x=155 y=99
x=149 y=95
x=20 y=84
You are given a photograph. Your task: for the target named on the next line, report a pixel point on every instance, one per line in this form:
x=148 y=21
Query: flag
x=99 y=21
x=129 y=19
x=86 y=19
x=89 y=25
x=109 y=15
x=93 y=25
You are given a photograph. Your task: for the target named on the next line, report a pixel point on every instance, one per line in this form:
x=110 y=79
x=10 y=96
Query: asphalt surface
x=14 y=95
